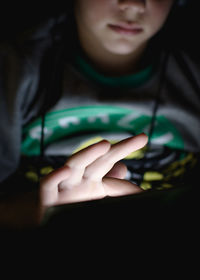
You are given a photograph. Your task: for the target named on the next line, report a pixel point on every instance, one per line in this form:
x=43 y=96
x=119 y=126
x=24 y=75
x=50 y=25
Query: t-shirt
x=93 y=107
x=162 y=103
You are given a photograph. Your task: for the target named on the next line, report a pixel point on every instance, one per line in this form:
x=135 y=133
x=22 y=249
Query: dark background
x=14 y=18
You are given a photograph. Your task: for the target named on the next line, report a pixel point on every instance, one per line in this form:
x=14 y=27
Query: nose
x=137 y=5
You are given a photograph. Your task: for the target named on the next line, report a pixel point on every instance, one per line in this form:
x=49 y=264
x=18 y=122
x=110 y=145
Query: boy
x=110 y=77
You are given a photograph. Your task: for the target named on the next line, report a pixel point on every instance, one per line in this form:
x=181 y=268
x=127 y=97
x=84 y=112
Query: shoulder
x=187 y=59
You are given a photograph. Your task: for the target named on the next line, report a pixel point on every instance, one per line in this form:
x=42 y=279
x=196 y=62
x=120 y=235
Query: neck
x=112 y=64
x=116 y=65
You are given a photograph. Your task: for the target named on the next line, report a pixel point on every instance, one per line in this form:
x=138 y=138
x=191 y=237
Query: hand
x=92 y=173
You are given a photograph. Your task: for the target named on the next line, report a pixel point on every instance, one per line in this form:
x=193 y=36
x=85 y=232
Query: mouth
x=126 y=29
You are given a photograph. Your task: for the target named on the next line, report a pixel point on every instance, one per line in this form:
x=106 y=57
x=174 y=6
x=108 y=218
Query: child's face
x=121 y=26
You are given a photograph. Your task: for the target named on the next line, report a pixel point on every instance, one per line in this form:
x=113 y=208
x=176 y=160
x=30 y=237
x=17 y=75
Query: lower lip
x=125 y=31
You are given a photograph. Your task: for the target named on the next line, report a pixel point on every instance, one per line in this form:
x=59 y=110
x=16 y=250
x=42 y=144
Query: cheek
x=96 y=13
x=156 y=18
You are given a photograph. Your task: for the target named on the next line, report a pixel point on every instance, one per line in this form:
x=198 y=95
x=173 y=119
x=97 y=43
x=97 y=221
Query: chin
x=121 y=49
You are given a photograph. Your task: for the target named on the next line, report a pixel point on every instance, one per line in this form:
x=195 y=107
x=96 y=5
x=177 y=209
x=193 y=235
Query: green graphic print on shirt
x=166 y=160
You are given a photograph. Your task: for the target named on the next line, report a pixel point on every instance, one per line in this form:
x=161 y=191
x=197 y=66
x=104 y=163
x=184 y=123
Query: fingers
x=86 y=169
x=86 y=156
x=117 y=187
x=98 y=169
x=79 y=161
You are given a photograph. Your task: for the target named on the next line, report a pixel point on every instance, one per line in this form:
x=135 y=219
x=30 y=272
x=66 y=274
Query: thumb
x=119 y=187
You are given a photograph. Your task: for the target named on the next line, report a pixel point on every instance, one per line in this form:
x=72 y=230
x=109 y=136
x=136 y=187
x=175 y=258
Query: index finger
x=125 y=147
x=99 y=168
